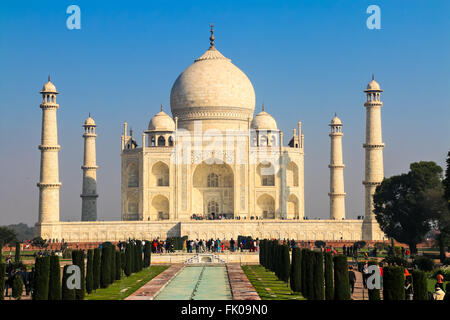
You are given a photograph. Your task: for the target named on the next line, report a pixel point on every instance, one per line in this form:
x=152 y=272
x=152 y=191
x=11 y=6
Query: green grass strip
x=121 y=289
x=268 y=286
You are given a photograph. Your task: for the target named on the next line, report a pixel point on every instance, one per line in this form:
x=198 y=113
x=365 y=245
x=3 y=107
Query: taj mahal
x=211 y=169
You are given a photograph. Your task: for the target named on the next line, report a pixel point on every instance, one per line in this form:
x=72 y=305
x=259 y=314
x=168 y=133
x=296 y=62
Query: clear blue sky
x=306 y=60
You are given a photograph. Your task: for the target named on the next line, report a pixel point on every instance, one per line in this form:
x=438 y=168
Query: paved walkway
x=149 y=290
x=241 y=287
x=360 y=293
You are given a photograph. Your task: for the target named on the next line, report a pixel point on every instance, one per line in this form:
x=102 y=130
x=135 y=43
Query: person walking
x=351 y=279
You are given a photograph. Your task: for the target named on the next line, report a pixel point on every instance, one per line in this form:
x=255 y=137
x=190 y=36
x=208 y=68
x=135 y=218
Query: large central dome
x=213 y=90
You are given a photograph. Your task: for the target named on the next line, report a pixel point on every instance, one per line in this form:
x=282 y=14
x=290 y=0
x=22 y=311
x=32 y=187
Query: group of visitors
x=438 y=294
x=200 y=246
x=12 y=272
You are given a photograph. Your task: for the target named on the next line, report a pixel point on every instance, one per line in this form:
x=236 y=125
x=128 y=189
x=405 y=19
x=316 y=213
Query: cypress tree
x=17 y=253
x=105 y=274
x=393 y=283
x=17 y=288
x=310 y=274
x=329 y=287
x=374 y=294
x=286 y=264
x=147 y=254
x=90 y=271
x=66 y=294
x=54 y=289
x=96 y=268
x=118 y=268
x=341 y=280
x=295 y=277
x=41 y=278
x=128 y=259
x=78 y=259
x=319 y=292
x=113 y=264
x=2 y=281
x=420 y=285
x=123 y=261
x=303 y=273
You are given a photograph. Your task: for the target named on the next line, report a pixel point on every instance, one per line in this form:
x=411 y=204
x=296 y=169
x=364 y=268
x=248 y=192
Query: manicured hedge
x=67 y=294
x=147 y=254
x=96 y=268
x=419 y=285
x=296 y=269
x=329 y=285
x=341 y=279
x=105 y=273
x=54 y=290
x=78 y=259
x=90 y=271
x=393 y=283
x=41 y=278
x=319 y=290
x=374 y=294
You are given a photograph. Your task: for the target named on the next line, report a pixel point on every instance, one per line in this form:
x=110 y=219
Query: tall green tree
x=128 y=259
x=78 y=259
x=310 y=274
x=393 y=283
x=374 y=294
x=341 y=280
x=96 y=268
x=41 y=278
x=17 y=253
x=319 y=290
x=113 y=264
x=303 y=273
x=118 y=268
x=329 y=286
x=7 y=235
x=400 y=203
x=148 y=254
x=105 y=274
x=419 y=285
x=90 y=271
x=443 y=239
x=66 y=293
x=54 y=288
x=286 y=263
x=296 y=269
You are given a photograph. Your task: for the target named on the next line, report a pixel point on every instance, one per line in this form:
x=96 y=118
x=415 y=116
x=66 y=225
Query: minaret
x=49 y=174
x=374 y=145
x=337 y=194
x=89 y=167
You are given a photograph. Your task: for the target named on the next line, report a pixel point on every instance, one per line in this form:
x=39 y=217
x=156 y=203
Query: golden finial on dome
x=161 y=107
x=263 y=107
x=211 y=38
x=48 y=77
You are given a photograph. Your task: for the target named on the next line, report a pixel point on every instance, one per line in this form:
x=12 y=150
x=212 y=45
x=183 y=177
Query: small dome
x=264 y=121
x=161 y=122
x=89 y=122
x=373 y=85
x=336 y=121
x=49 y=87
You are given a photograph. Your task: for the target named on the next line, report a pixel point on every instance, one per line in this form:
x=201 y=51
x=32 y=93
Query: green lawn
x=121 y=289
x=268 y=286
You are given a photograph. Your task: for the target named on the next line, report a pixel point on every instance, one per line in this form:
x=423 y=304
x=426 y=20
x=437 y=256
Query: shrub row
x=103 y=267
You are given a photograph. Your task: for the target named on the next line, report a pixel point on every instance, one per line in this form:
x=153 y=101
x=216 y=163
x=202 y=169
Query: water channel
x=198 y=283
